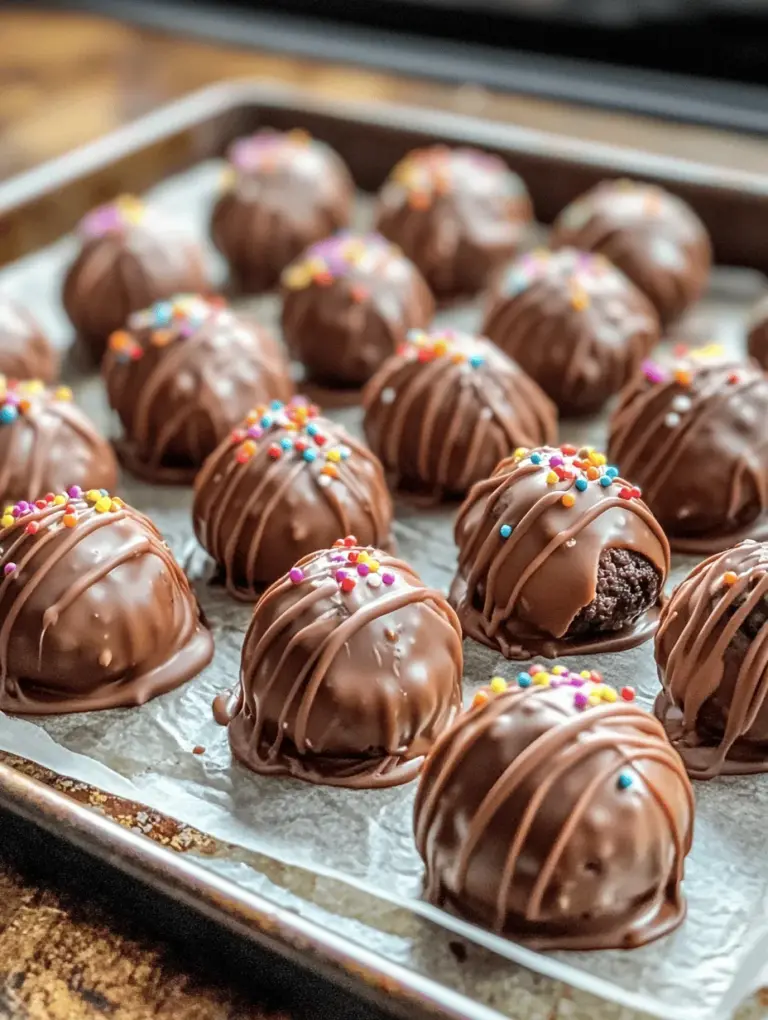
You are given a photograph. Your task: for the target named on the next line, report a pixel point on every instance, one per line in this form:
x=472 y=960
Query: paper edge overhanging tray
x=728 y=200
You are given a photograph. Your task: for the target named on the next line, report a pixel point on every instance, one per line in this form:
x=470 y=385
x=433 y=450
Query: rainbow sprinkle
x=683 y=369
x=459 y=348
x=268 y=150
x=352 y=566
x=113 y=218
x=66 y=514
x=18 y=398
x=336 y=257
x=174 y=319
x=426 y=174
x=577 y=270
x=588 y=686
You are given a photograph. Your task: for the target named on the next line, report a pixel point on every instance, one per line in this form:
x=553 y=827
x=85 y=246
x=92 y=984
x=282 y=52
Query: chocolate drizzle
x=447 y=408
x=345 y=681
x=712 y=652
x=562 y=827
x=281 y=486
x=649 y=234
x=281 y=193
x=25 y=352
x=47 y=443
x=693 y=437
x=535 y=543
x=181 y=377
x=456 y=213
x=575 y=323
x=95 y=611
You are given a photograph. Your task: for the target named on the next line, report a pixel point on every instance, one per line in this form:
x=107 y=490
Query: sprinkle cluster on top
x=17 y=398
x=589 y=689
x=352 y=565
x=305 y=441
x=682 y=372
x=68 y=507
x=578 y=270
x=335 y=257
x=113 y=217
x=426 y=174
x=268 y=150
x=175 y=319
x=445 y=343
x=578 y=467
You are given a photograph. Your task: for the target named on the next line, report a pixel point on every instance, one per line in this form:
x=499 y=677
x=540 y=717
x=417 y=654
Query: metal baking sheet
x=345 y=860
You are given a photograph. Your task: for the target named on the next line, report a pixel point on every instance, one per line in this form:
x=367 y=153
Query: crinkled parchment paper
x=347 y=859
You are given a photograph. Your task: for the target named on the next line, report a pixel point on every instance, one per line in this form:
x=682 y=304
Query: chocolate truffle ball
x=281 y=192
x=25 y=352
x=281 y=486
x=574 y=323
x=557 y=556
x=47 y=443
x=96 y=612
x=351 y=669
x=558 y=815
x=130 y=257
x=757 y=337
x=692 y=436
x=652 y=236
x=182 y=375
x=457 y=213
x=349 y=303
x=712 y=652
x=447 y=408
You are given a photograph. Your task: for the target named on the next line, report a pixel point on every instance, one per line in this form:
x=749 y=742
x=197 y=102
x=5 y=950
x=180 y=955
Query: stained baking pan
x=171 y=154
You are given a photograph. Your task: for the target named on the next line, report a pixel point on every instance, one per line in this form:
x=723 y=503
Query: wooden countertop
x=76 y=942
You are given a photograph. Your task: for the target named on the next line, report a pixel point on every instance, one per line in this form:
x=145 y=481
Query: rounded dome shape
x=25 y=351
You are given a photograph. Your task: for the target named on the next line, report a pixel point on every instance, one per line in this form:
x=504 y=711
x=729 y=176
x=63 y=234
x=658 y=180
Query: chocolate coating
x=540 y=576
x=25 y=352
x=95 y=611
x=130 y=257
x=47 y=443
x=281 y=192
x=349 y=672
x=349 y=302
x=457 y=213
x=757 y=336
x=447 y=408
x=692 y=436
x=653 y=237
x=574 y=323
x=181 y=377
x=712 y=652
x=561 y=826
x=284 y=484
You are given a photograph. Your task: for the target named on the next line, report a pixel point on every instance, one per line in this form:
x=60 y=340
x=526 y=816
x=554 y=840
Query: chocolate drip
x=95 y=611
x=447 y=408
x=649 y=234
x=560 y=826
x=347 y=677
x=693 y=438
x=25 y=352
x=712 y=651
x=529 y=563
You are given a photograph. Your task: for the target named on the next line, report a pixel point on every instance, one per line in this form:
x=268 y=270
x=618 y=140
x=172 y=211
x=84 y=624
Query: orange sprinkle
x=729 y=577
x=683 y=377
x=568 y=499
x=418 y=200
x=70 y=520
x=592 y=473
x=481 y=698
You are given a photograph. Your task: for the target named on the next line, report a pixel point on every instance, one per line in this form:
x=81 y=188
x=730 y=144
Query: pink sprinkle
x=340 y=575
x=74 y=492
x=653 y=373
x=388 y=578
x=9 y=568
x=580 y=700
x=363 y=569
x=556 y=461
x=296 y=574
x=255 y=432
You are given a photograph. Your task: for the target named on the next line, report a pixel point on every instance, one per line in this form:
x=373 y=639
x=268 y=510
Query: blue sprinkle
x=524 y=680
x=612 y=472
x=625 y=781
x=276 y=405
x=163 y=313
x=286 y=443
x=8 y=413
x=505 y=530
x=476 y=360
x=605 y=481
x=312 y=429
x=535 y=458
x=309 y=455
x=266 y=421
x=581 y=484
x=103 y=492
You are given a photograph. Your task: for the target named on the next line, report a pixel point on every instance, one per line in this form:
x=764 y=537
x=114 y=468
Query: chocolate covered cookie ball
x=349 y=302
x=712 y=652
x=97 y=613
x=281 y=192
x=181 y=376
x=130 y=257
x=692 y=435
x=574 y=323
x=650 y=235
x=25 y=352
x=558 y=555
x=457 y=213
x=282 y=485
x=47 y=443
x=757 y=336
x=555 y=811
x=351 y=669
x=447 y=408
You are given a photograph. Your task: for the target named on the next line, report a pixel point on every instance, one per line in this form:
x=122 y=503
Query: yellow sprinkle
x=362 y=557
x=608 y=694
x=551 y=478
x=117 y=503
x=585 y=674
x=103 y=504
x=7 y=520
x=8 y=510
x=594 y=699
x=63 y=393
x=297 y=277
x=93 y=495
x=579 y=300
x=60 y=500
x=598 y=459
x=373 y=566
x=568 y=499
x=541 y=679
x=498 y=685
x=559 y=670
x=334 y=456
x=520 y=452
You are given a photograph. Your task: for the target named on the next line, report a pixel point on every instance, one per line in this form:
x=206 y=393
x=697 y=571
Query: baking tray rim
x=256 y=917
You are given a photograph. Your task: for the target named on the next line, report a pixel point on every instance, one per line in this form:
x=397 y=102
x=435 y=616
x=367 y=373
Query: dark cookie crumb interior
x=627 y=585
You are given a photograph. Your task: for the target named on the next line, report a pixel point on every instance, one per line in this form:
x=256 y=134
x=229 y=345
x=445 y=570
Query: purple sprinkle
x=340 y=575
x=338 y=558
x=296 y=574
x=9 y=568
x=576 y=681
x=555 y=682
x=555 y=461
x=580 y=700
x=388 y=578
x=16 y=512
x=74 y=492
x=22 y=506
x=363 y=569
